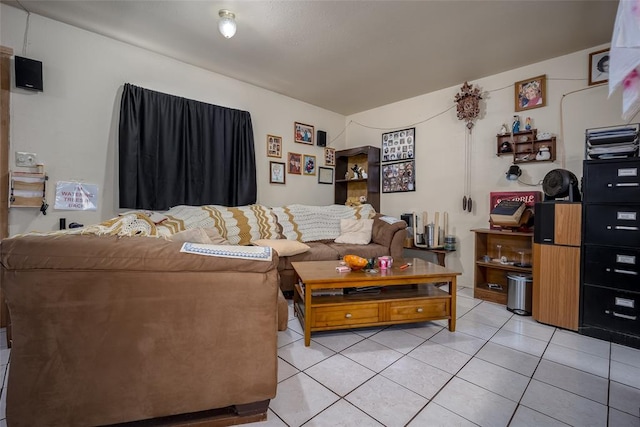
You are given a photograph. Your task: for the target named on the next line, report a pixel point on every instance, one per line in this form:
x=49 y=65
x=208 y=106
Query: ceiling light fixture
x=227 y=24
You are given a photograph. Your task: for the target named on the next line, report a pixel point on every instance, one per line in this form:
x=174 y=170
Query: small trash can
x=519 y=293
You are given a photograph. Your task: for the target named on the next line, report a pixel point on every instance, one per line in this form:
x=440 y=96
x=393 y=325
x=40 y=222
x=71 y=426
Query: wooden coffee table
x=405 y=296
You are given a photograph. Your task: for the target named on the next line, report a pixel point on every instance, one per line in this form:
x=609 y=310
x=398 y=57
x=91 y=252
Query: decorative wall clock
x=468 y=106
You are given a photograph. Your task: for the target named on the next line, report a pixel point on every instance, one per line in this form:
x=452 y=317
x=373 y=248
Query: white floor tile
x=340 y=374
x=625 y=374
x=342 y=414
x=624 y=398
x=295 y=325
x=303 y=357
x=526 y=417
x=336 y=340
x=423 y=329
x=519 y=342
x=417 y=376
x=367 y=332
x=577 y=359
x=389 y=403
x=300 y=398
x=285 y=370
x=626 y=355
x=487 y=319
x=573 y=380
x=435 y=415
x=493 y=309
x=466 y=292
x=398 y=340
x=494 y=378
x=4 y=356
x=458 y=341
x=622 y=419
x=582 y=343
x=517 y=361
x=533 y=330
x=476 y=404
x=440 y=356
x=475 y=329
x=564 y=406
x=288 y=336
x=372 y=355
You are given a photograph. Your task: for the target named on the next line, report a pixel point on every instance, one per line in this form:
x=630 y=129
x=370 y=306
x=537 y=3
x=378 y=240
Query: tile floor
x=497 y=369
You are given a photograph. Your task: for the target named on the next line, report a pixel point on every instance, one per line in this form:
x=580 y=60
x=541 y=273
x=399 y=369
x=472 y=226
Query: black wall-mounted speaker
x=28 y=73
x=544 y=221
x=322 y=139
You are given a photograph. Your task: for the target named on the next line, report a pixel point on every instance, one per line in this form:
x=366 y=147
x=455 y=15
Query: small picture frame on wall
x=325 y=175
x=329 y=157
x=274 y=146
x=531 y=93
x=303 y=133
x=277 y=173
x=309 y=165
x=599 y=67
x=399 y=177
x=398 y=145
x=294 y=163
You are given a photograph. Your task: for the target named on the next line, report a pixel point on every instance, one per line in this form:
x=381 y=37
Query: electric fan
x=561 y=183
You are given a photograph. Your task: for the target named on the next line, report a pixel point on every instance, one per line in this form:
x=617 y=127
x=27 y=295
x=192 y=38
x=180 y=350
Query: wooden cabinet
x=27 y=189
x=368 y=158
x=490 y=275
x=506 y=143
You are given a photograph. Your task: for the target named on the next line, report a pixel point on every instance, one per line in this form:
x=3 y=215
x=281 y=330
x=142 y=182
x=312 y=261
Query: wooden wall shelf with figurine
x=539 y=150
x=349 y=187
x=27 y=189
x=505 y=144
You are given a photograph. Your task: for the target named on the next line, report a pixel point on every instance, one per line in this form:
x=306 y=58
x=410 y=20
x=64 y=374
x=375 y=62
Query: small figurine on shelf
x=504 y=129
x=527 y=125
x=515 y=127
x=364 y=174
x=356 y=172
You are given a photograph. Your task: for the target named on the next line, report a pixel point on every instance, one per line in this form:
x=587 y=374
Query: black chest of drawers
x=610 y=265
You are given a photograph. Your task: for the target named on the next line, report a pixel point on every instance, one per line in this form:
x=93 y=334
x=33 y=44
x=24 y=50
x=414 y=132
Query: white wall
x=440 y=142
x=73 y=124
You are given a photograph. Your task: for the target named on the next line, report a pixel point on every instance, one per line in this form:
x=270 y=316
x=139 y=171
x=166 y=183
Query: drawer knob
x=348 y=315
x=419 y=310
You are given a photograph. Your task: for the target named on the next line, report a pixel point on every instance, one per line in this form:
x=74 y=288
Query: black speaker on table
x=322 y=139
x=28 y=73
x=544 y=223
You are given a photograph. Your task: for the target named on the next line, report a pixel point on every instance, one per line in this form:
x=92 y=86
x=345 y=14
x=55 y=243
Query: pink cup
x=385 y=262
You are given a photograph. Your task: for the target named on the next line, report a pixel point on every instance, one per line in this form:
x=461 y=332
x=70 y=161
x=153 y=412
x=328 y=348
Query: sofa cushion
x=315 y=223
x=282 y=246
x=355 y=231
x=383 y=232
x=372 y=250
x=193 y=235
x=318 y=251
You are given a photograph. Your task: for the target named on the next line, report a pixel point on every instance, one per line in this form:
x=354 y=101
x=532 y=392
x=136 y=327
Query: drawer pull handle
x=419 y=310
x=348 y=315
x=632 y=273
x=622 y=316
x=623 y=227
x=626 y=184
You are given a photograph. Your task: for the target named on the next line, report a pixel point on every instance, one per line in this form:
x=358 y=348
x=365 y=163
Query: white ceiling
x=348 y=56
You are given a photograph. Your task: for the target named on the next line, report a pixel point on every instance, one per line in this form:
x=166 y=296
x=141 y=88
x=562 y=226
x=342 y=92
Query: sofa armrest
x=389 y=235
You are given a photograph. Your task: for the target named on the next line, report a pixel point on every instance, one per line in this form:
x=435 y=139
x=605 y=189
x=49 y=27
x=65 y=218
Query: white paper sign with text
x=76 y=196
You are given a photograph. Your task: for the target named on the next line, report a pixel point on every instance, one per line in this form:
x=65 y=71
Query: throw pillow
x=284 y=247
x=192 y=235
x=355 y=231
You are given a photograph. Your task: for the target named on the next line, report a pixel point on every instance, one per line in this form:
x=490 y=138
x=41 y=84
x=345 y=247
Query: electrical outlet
x=24 y=159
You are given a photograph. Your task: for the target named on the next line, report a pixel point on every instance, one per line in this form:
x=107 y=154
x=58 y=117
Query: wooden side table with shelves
x=490 y=276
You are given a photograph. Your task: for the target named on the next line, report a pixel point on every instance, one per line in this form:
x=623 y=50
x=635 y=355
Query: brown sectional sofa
x=110 y=329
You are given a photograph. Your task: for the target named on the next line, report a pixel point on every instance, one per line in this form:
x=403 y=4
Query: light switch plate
x=24 y=159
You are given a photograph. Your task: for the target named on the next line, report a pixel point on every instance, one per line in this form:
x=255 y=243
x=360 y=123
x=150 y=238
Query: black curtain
x=177 y=151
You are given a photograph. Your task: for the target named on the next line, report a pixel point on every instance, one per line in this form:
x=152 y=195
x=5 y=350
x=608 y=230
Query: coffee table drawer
x=337 y=315
x=420 y=309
